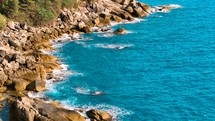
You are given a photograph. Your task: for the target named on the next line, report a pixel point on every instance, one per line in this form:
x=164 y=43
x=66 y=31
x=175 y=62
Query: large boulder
x=99 y=115
x=26 y=109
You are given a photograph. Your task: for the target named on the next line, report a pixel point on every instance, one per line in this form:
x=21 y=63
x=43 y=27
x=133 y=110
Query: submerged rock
x=120 y=31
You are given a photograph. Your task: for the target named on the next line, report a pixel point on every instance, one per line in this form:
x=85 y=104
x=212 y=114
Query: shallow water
x=163 y=69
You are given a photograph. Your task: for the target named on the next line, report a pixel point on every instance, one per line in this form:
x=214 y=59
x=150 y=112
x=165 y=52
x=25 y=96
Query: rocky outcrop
x=24 y=67
x=98 y=115
x=26 y=109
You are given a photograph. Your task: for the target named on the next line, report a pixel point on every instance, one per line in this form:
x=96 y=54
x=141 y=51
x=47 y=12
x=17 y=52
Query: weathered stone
x=2 y=53
x=11 y=25
x=20 y=84
x=99 y=115
x=20 y=59
x=116 y=18
x=139 y=12
x=14 y=43
x=127 y=16
x=14 y=65
x=24 y=25
x=96 y=21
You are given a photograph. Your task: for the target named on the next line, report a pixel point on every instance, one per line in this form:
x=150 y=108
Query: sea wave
x=114 y=111
x=113 y=46
x=136 y=20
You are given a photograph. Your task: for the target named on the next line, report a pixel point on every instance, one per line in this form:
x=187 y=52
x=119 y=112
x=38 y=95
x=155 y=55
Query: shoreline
x=45 y=63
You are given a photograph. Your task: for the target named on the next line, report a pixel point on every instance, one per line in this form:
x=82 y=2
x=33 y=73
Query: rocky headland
x=24 y=67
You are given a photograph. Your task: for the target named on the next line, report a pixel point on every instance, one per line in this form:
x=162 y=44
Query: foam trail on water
x=81 y=90
x=113 y=46
x=136 y=20
x=107 y=34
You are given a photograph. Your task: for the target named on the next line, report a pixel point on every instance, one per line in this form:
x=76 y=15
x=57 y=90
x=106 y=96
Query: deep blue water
x=167 y=72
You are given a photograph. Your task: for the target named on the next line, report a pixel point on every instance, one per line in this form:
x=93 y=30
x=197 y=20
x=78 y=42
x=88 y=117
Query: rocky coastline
x=24 y=67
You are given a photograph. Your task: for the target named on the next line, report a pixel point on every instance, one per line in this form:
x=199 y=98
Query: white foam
x=81 y=90
x=113 y=46
x=114 y=111
x=174 y=6
x=107 y=34
x=170 y=6
x=63 y=38
x=36 y=94
x=136 y=20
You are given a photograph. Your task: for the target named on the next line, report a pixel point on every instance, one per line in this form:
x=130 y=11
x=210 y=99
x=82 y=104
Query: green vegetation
x=2 y=22
x=34 y=12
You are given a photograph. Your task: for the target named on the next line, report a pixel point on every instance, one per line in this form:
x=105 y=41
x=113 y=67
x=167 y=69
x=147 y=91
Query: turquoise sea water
x=165 y=72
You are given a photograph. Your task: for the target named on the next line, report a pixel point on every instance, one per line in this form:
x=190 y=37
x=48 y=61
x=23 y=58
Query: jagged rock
x=2 y=53
x=20 y=59
x=126 y=2
x=11 y=25
x=116 y=18
x=145 y=7
x=130 y=9
x=139 y=12
x=127 y=16
x=20 y=84
x=26 y=109
x=99 y=115
x=14 y=43
x=96 y=21
x=120 y=31
x=23 y=25
x=64 y=17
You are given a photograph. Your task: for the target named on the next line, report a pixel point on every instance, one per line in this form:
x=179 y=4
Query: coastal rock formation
x=23 y=67
x=99 y=115
x=26 y=109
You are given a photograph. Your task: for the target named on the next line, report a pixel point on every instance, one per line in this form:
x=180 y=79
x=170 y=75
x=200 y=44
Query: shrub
x=2 y=22
x=68 y=3
x=9 y=8
x=35 y=12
